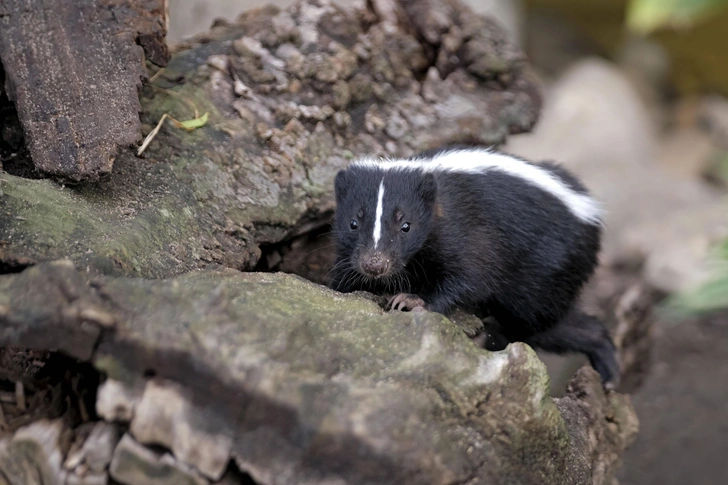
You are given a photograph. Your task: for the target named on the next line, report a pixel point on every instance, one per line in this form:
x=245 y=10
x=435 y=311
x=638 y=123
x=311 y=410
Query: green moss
x=47 y=210
x=45 y=221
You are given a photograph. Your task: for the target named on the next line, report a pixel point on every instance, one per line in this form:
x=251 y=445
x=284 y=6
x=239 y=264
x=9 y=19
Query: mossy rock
x=307 y=385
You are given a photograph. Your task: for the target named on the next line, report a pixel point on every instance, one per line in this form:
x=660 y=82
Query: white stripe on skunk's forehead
x=377 y=234
x=481 y=160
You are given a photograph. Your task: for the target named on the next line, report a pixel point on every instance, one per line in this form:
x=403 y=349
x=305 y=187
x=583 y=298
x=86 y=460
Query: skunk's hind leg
x=579 y=332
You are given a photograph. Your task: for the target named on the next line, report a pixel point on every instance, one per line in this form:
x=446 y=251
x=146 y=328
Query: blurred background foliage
x=692 y=31
x=708 y=297
x=646 y=16
x=676 y=16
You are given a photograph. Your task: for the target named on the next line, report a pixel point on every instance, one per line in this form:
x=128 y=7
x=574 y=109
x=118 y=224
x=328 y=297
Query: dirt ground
x=683 y=408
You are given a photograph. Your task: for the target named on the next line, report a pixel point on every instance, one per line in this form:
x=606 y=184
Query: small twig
x=151 y=135
x=156 y=75
x=20 y=395
x=189 y=125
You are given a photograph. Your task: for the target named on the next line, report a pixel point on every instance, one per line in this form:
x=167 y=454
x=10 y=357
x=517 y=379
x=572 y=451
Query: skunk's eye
x=406 y=227
x=354 y=225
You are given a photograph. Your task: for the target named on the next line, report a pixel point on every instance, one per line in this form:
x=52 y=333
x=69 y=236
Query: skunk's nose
x=374 y=264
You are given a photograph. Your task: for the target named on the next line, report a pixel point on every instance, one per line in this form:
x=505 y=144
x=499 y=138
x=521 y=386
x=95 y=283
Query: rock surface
x=164 y=415
x=309 y=386
x=133 y=464
x=292 y=97
x=33 y=455
x=195 y=16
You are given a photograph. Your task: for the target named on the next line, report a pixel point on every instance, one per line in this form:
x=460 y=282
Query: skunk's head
x=383 y=217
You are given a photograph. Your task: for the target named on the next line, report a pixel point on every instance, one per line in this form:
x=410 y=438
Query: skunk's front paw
x=406 y=302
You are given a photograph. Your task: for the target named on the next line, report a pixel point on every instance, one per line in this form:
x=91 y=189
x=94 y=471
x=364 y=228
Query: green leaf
x=646 y=16
x=194 y=123
x=710 y=297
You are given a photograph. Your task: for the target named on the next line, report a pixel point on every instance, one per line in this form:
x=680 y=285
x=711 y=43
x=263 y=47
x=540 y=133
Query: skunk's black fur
x=488 y=242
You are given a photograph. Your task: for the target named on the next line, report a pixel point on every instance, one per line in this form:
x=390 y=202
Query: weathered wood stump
x=73 y=69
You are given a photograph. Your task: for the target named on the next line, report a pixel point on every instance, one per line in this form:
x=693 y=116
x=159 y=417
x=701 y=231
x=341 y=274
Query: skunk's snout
x=374 y=264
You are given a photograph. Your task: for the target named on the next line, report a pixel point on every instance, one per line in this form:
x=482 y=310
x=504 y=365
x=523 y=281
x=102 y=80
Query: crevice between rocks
x=309 y=255
x=58 y=389
x=45 y=385
x=12 y=265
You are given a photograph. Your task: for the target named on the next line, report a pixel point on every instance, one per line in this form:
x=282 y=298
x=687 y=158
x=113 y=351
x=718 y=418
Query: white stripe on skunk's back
x=479 y=160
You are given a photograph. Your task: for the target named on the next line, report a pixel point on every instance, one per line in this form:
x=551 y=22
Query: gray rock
x=133 y=464
x=312 y=386
x=32 y=456
x=92 y=451
x=117 y=401
x=77 y=340
x=165 y=417
x=88 y=479
x=396 y=126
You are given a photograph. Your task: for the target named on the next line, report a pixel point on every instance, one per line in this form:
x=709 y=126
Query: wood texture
x=72 y=69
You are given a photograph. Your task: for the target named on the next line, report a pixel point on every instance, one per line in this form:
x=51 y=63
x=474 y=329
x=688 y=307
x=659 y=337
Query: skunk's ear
x=341 y=185
x=427 y=189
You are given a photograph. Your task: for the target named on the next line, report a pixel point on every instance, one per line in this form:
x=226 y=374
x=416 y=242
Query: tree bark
x=73 y=69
